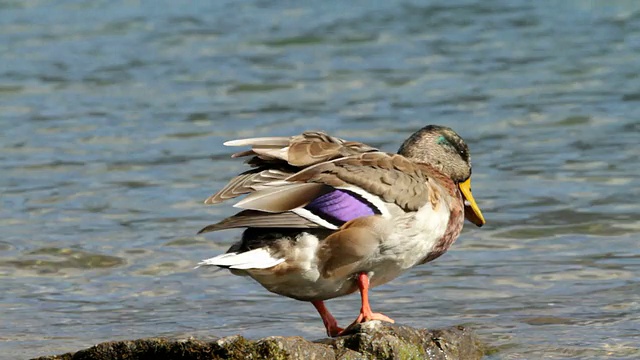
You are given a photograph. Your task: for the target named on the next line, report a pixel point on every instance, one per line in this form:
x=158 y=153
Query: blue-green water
x=113 y=114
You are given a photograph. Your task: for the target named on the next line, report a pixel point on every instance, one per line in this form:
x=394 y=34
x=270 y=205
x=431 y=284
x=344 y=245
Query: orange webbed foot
x=330 y=323
x=373 y=316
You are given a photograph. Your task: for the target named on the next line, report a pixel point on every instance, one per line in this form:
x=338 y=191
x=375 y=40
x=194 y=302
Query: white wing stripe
x=314 y=218
x=252 y=259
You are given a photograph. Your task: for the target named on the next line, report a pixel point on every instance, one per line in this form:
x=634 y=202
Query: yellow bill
x=471 y=210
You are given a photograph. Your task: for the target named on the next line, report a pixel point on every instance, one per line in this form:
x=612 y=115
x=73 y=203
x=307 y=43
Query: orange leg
x=365 y=311
x=329 y=321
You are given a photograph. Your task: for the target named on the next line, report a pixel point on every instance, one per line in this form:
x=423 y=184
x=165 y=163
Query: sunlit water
x=113 y=114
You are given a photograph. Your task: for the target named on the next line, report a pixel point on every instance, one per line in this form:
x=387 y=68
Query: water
x=113 y=116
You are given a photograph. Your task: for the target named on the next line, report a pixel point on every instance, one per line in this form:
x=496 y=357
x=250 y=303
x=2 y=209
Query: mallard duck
x=326 y=217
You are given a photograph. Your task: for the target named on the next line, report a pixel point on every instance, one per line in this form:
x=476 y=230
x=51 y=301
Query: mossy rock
x=372 y=340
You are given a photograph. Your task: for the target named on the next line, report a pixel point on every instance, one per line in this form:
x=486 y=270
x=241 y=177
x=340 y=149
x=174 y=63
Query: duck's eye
x=464 y=154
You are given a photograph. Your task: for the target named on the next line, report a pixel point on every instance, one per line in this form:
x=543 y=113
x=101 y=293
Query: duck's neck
x=456 y=217
x=443 y=180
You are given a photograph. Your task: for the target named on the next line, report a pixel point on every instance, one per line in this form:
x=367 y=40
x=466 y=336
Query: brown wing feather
x=308 y=148
x=259 y=219
x=276 y=158
x=246 y=183
x=314 y=147
x=282 y=198
x=290 y=172
x=391 y=177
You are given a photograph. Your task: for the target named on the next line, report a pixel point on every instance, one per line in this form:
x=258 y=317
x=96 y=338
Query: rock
x=371 y=340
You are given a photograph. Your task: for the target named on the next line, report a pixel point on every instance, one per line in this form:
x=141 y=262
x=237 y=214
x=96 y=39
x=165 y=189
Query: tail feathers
x=252 y=259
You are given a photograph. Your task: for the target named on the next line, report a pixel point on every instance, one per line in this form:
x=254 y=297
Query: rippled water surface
x=113 y=114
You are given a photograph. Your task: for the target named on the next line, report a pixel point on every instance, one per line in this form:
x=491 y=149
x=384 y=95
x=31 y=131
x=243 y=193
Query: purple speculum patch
x=340 y=206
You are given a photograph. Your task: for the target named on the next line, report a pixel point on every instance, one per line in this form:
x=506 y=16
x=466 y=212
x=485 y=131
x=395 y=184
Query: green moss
x=410 y=351
x=236 y=347
x=271 y=350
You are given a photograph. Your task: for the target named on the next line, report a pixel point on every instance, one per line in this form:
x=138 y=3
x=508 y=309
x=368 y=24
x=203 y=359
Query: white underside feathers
x=252 y=259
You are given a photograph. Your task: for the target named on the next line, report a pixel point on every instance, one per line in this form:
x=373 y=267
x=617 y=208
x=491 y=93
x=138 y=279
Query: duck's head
x=442 y=148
